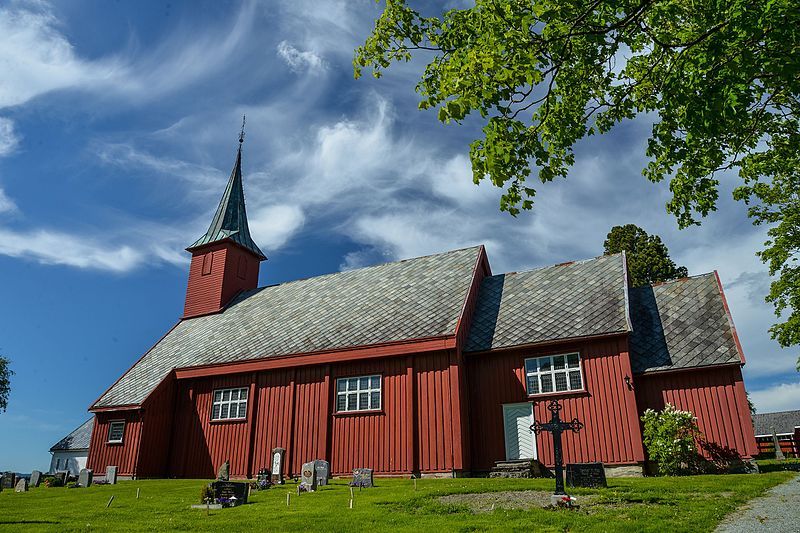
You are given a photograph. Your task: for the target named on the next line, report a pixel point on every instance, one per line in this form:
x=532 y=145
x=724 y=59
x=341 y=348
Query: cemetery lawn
x=634 y=504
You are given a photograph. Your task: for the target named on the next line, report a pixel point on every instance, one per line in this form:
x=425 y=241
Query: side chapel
x=431 y=365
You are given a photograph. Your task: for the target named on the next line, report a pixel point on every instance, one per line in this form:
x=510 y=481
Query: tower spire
x=230 y=220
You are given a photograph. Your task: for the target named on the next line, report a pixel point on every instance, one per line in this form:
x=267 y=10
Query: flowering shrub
x=669 y=436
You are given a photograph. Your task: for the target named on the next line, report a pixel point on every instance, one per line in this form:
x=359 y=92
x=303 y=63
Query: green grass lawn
x=643 y=504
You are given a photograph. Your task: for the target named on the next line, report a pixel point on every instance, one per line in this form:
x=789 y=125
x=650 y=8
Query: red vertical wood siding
x=273 y=416
x=208 y=293
x=157 y=414
x=124 y=455
x=434 y=414
x=716 y=396
x=607 y=408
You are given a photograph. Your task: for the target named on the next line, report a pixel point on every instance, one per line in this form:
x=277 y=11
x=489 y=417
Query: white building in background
x=71 y=452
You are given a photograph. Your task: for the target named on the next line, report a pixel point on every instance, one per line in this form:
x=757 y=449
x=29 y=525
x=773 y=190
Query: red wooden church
x=432 y=365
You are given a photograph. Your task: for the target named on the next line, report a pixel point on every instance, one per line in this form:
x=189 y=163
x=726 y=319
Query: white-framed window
x=116 y=430
x=361 y=393
x=553 y=373
x=229 y=404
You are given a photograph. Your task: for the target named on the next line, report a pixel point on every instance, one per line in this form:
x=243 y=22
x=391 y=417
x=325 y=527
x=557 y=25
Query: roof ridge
x=677 y=280
x=566 y=263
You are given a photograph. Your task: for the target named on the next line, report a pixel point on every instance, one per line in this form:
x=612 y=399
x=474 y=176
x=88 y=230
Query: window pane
x=352 y=384
x=242 y=394
x=375 y=400
x=533 y=385
x=363 y=401
x=215 y=412
x=235 y=394
x=572 y=360
x=217 y=395
x=544 y=364
x=375 y=382
x=575 y=380
x=341 y=385
x=341 y=402
x=226 y=395
x=242 y=409
x=547 y=383
x=558 y=362
x=531 y=366
x=351 y=402
x=224 y=412
x=364 y=383
x=561 y=381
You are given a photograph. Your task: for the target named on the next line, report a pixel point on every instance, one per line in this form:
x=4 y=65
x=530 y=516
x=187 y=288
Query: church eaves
x=230 y=220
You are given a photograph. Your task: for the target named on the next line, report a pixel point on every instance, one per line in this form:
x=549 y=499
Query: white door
x=520 y=440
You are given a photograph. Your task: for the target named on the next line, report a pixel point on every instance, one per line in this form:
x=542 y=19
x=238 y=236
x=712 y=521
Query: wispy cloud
x=780 y=397
x=300 y=61
x=6 y=204
x=8 y=137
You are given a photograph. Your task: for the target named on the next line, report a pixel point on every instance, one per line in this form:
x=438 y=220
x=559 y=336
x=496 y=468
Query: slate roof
x=681 y=324
x=77 y=440
x=230 y=220
x=411 y=299
x=579 y=299
x=779 y=423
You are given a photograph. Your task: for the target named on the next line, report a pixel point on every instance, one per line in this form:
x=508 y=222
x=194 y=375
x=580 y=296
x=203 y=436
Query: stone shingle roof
x=404 y=300
x=566 y=301
x=681 y=324
x=77 y=440
x=779 y=423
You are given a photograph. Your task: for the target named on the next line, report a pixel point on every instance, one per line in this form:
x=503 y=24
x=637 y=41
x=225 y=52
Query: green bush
x=51 y=481
x=207 y=494
x=669 y=436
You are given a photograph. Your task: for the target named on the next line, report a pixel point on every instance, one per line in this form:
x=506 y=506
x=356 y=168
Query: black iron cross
x=557 y=427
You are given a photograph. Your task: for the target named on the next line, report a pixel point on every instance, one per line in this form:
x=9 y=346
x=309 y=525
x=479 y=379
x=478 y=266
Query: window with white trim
x=553 y=373
x=116 y=430
x=229 y=404
x=358 y=394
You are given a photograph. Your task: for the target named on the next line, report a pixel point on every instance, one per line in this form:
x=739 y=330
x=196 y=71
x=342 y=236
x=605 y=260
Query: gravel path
x=777 y=510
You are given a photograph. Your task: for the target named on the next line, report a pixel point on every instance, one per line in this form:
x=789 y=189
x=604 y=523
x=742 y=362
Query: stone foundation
x=624 y=471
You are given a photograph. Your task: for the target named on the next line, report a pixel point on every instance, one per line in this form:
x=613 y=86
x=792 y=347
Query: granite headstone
x=362 y=477
x=36 y=478
x=85 y=478
x=308 y=475
x=590 y=475
x=224 y=472
x=22 y=485
x=9 y=480
x=111 y=475
x=230 y=493
x=277 y=465
x=323 y=470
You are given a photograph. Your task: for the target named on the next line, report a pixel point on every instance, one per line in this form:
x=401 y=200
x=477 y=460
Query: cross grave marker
x=556 y=426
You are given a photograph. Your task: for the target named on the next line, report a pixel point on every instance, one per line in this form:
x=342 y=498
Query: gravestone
x=85 y=478
x=224 y=472
x=36 y=478
x=556 y=426
x=362 y=477
x=308 y=475
x=264 y=479
x=277 y=465
x=22 y=485
x=9 y=480
x=778 y=451
x=230 y=493
x=590 y=475
x=62 y=476
x=111 y=475
x=323 y=471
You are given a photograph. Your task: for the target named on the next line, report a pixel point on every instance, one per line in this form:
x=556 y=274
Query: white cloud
x=8 y=137
x=56 y=248
x=6 y=204
x=781 y=397
x=298 y=60
x=273 y=225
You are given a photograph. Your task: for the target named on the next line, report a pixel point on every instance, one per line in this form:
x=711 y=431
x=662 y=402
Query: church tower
x=225 y=261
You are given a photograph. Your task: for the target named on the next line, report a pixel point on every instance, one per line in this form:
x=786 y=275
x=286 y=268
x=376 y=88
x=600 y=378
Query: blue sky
x=118 y=129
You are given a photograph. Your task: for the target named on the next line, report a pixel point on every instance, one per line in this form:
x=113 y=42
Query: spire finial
x=241 y=134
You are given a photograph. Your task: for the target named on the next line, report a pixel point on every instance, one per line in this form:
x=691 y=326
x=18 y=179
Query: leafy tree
x=5 y=382
x=648 y=257
x=719 y=79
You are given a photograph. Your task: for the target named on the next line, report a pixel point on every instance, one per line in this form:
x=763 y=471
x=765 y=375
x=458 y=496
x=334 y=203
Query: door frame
x=532 y=434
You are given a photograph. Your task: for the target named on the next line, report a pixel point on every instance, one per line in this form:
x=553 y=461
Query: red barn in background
x=431 y=365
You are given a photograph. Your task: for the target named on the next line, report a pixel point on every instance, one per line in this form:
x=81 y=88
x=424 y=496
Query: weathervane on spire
x=241 y=134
